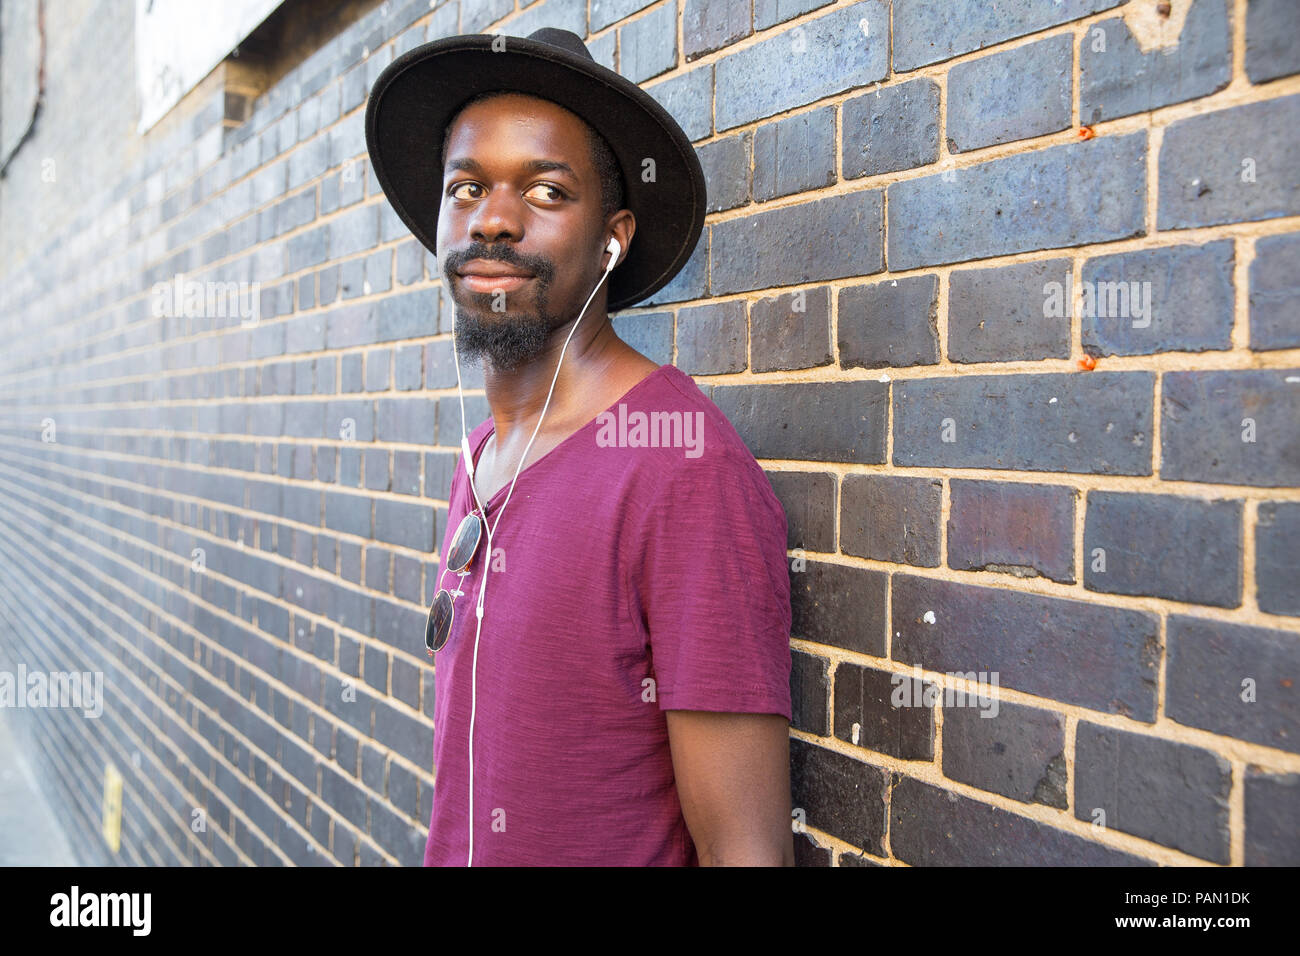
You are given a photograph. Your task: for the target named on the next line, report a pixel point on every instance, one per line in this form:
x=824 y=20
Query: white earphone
x=614 y=248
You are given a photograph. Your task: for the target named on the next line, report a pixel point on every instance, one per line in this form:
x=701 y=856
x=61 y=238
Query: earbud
x=614 y=249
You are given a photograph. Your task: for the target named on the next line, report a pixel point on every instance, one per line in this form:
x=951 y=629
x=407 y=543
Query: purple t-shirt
x=640 y=567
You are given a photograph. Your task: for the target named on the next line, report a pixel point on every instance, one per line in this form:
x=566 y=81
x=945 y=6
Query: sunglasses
x=464 y=545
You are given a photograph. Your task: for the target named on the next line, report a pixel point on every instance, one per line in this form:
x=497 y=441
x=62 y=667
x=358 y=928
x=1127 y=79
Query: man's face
x=520 y=192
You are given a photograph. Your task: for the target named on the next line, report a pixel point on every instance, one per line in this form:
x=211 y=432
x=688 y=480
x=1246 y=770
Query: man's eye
x=459 y=186
x=558 y=193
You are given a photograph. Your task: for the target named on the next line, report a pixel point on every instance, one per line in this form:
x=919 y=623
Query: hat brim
x=415 y=95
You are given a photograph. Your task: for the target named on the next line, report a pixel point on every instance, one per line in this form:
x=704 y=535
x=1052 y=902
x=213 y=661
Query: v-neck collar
x=505 y=489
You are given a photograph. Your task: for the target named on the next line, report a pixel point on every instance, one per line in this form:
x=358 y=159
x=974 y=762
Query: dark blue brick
x=408 y=419
x=350 y=420
x=309 y=249
x=1207 y=418
x=1017 y=94
x=839 y=795
x=329 y=284
x=768 y=13
x=347 y=513
x=928 y=31
x=351 y=325
x=1275 y=293
x=1023 y=529
x=891 y=518
x=302 y=504
x=867 y=716
x=400 y=729
x=605 y=12
x=648 y=45
x=817 y=59
x=296 y=211
x=809 y=693
x=352 y=379
x=929 y=826
x=449 y=419
x=1168 y=792
x=709 y=26
x=354 y=231
x=479 y=15
x=1185 y=549
x=409 y=524
x=838 y=605
x=1175 y=298
x=1015 y=750
x=1019 y=312
x=1277 y=557
x=352 y=278
x=407 y=364
x=826 y=239
x=375 y=467
x=1094 y=423
x=303 y=419
x=726 y=164
x=1211 y=665
x=1271 y=29
x=712 y=339
x=407 y=573
x=1272 y=807
x=439 y=368
x=1123 y=79
x=791 y=331
x=809 y=504
x=891 y=129
x=410 y=262
x=1254 y=179
x=838 y=421
x=1078 y=652
x=1066 y=195
x=350 y=466
x=650 y=333
x=688 y=98
x=377 y=365
x=794 y=154
x=408 y=315
x=399 y=625
x=889 y=324
x=379 y=272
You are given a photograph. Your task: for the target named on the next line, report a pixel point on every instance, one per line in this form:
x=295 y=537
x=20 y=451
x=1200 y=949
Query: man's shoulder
x=681 y=436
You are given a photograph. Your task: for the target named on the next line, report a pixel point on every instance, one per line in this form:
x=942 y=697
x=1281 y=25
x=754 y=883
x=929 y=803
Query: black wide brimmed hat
x=415 y=96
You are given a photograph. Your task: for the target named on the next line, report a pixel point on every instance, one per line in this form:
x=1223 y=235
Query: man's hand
x=733 y=781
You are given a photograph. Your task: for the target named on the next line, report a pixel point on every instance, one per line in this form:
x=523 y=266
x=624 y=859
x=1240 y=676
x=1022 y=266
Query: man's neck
x=516 y=397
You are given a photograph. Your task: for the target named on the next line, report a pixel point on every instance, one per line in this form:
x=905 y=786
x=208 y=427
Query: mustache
x=538 y=266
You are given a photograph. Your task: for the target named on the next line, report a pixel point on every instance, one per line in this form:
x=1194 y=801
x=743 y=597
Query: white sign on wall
x=178 y=42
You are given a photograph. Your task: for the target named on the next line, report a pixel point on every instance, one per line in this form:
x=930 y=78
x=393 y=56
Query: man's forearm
x=749 y=854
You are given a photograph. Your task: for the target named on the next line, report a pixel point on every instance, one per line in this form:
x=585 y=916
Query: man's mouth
x=478 y=283
x=482 y=276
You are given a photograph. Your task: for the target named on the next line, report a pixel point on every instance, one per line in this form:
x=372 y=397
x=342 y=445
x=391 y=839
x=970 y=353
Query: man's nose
x=496 y=218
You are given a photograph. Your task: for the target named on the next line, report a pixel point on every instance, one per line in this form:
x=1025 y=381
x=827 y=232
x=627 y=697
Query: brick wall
x=1003 y=297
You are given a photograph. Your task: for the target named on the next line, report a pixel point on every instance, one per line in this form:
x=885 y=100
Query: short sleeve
x=712 y=590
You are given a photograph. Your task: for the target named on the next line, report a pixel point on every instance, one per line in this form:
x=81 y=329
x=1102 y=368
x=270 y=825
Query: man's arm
x=733 y=781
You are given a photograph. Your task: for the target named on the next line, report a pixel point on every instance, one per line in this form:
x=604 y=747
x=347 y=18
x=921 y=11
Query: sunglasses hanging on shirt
x=464 y=545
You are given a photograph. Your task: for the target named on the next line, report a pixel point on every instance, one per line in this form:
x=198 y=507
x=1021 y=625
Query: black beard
x=509 y=340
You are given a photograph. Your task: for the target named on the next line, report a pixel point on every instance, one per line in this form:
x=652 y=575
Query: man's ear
x=621 y=226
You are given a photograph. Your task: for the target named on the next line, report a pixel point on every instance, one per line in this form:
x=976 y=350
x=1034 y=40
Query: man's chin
x=506 y=339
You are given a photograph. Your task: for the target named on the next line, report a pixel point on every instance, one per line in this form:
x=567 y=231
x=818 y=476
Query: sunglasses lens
x=464 y=544
x=438 y=627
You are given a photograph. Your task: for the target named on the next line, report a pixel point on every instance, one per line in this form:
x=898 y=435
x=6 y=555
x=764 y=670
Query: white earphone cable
x=468 y=457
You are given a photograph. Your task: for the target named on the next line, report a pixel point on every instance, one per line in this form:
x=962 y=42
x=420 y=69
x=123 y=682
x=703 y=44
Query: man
x=624 y=697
